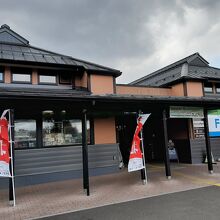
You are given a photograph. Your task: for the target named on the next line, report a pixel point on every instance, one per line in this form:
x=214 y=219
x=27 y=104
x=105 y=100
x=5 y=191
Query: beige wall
x=7 y=75
x=34 y=77
x=194 y=89
x=135 y=90
x=82 y=81
x=77 y=81
x=178 y=90
x=101 y=84
x=104 y=129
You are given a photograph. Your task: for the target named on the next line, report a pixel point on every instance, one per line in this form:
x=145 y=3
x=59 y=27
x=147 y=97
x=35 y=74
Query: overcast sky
x=134 y=36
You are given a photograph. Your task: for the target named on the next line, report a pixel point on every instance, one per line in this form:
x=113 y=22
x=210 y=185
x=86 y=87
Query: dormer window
x=21 y=75
x=66 y=78
x=48 y=79
x=208 y=87
x=1 y=74
x=217 y=88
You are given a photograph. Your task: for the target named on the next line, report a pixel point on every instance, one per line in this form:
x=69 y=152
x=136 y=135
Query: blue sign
x=214 y=123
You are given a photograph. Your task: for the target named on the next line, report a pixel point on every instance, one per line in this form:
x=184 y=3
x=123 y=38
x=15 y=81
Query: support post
x=166 y=155
x=207 y=142
x=85 y=154
x=11 y=138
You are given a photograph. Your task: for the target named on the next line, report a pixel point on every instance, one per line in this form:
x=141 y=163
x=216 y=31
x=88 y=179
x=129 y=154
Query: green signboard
x=186 y=112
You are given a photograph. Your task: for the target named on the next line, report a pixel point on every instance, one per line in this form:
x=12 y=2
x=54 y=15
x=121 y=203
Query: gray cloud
x=136 y=37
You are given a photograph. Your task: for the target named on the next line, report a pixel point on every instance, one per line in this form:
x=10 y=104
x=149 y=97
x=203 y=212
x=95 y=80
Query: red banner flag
x=4 y=148
x=136 y=158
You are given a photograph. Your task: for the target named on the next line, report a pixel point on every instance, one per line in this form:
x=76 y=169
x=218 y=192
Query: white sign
x=186 y=112
x=198 y=123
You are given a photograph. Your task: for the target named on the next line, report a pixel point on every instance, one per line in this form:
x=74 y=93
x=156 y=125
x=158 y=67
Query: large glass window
x=25 y=134
x=48 y=79
x=208 y=87
x=19 y=77
x=57 y=130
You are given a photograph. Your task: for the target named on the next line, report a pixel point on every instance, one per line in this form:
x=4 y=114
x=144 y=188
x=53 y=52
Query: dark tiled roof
x=204 y=72
x=172 y=72
x=15 y=48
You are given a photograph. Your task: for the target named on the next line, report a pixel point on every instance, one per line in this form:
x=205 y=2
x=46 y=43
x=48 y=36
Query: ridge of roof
x=187 y=59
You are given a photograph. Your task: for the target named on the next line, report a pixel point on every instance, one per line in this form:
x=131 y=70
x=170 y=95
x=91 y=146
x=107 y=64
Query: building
x=71 y=118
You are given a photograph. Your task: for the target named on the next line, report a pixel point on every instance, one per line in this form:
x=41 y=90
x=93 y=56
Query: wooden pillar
x=207 y=142
x=85 y=154
x=166 y=152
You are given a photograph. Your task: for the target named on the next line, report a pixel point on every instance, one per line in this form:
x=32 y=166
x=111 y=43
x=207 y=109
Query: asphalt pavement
x=202 y=203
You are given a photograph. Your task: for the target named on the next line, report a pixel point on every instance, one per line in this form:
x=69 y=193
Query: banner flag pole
x=143 y=154
x=144 y=162
x=11 y=139
x=137 y=156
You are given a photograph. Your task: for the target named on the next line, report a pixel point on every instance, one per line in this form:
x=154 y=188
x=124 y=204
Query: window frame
x=3 y=77
x=21 y=82
x=47 y=83
x=212 y=87
x=36 y=135
x=217 y=86
x=63 y=82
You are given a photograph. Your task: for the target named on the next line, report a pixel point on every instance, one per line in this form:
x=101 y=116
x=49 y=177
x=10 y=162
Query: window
x=57 y=130
x=2 y=69
x=65 y=79
x=48 y=79
x=1 y=76
x=208 y=87
x=23 y=78
x=21 y=75
x=217 y=87
x=25 y=134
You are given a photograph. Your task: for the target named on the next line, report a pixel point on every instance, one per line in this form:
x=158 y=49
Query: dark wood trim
x=185 y=92
x=39 y=131
x=89 y=82
x=92 y=131
x=203 y=90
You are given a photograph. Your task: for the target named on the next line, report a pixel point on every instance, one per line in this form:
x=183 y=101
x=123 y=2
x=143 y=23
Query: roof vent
x=5 y=26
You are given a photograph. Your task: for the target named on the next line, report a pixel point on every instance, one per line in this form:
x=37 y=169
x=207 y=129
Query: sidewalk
x=59 y=197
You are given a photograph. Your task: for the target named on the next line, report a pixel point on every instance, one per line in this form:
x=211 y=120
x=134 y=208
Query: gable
x=197 y=61
x=9 y=36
